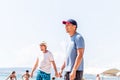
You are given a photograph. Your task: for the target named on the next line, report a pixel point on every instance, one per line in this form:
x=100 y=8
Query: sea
x=5 y=72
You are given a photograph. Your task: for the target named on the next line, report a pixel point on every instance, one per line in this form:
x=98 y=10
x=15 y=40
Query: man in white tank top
x=44 y=62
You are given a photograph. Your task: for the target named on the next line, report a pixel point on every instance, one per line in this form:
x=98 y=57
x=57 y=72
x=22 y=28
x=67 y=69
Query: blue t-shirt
x=75 y=42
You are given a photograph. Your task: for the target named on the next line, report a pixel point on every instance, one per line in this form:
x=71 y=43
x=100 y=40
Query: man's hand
x=60 y=73
x=73 y=75
x=56 y=74
x=31 y=75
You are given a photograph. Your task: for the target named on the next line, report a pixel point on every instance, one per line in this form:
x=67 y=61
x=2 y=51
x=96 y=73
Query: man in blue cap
x=73 y=63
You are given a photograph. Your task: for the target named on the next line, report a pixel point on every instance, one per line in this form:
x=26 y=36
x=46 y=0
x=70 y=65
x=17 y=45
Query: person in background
x=43 y=63
x=73 y=63
x=53 y=78
x=26 y=76
x=98 y=77
x=12 y=76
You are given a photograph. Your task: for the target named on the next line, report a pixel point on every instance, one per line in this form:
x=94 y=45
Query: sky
x=26 y=23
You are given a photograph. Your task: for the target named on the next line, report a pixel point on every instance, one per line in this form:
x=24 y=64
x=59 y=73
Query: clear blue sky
x=25 y=23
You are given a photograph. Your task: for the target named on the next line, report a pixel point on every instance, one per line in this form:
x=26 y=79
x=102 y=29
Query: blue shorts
x=42 y=75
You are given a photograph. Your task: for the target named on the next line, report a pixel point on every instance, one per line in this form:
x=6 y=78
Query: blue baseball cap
x=72 y=21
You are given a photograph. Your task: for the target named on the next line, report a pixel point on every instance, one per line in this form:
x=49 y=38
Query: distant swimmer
x=12 y=76
x=53 y=78
x=26 y=76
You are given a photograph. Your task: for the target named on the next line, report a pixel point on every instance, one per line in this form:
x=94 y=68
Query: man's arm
x=78 y=58
x=55 y=68
x=78 y=61
x=35 y=66
x=15 y=78
x=23 y=76
x=61 y=69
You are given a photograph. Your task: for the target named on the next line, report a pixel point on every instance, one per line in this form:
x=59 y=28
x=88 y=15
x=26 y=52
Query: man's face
x=69 y=27
x=27 y=72
x=42 y=47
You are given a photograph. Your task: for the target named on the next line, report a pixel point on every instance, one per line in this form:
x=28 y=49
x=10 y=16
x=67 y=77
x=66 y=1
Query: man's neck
x=72 y=33
x=45 y=51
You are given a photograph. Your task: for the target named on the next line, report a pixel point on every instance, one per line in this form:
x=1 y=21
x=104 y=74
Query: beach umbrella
x=111 y=72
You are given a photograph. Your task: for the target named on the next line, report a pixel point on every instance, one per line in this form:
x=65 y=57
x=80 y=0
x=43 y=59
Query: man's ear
x=74 y=27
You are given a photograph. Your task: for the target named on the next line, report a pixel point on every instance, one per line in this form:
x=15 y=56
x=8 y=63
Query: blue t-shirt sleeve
x=79 y=42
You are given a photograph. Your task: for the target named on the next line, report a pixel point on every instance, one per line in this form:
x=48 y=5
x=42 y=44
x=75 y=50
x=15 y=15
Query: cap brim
x=64 y=22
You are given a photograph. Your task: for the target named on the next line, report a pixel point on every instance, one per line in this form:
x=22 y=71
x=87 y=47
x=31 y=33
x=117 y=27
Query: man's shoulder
x=78 y=35
x=49 y=53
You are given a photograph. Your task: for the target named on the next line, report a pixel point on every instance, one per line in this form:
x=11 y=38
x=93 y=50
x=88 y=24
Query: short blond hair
x=43 y=43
